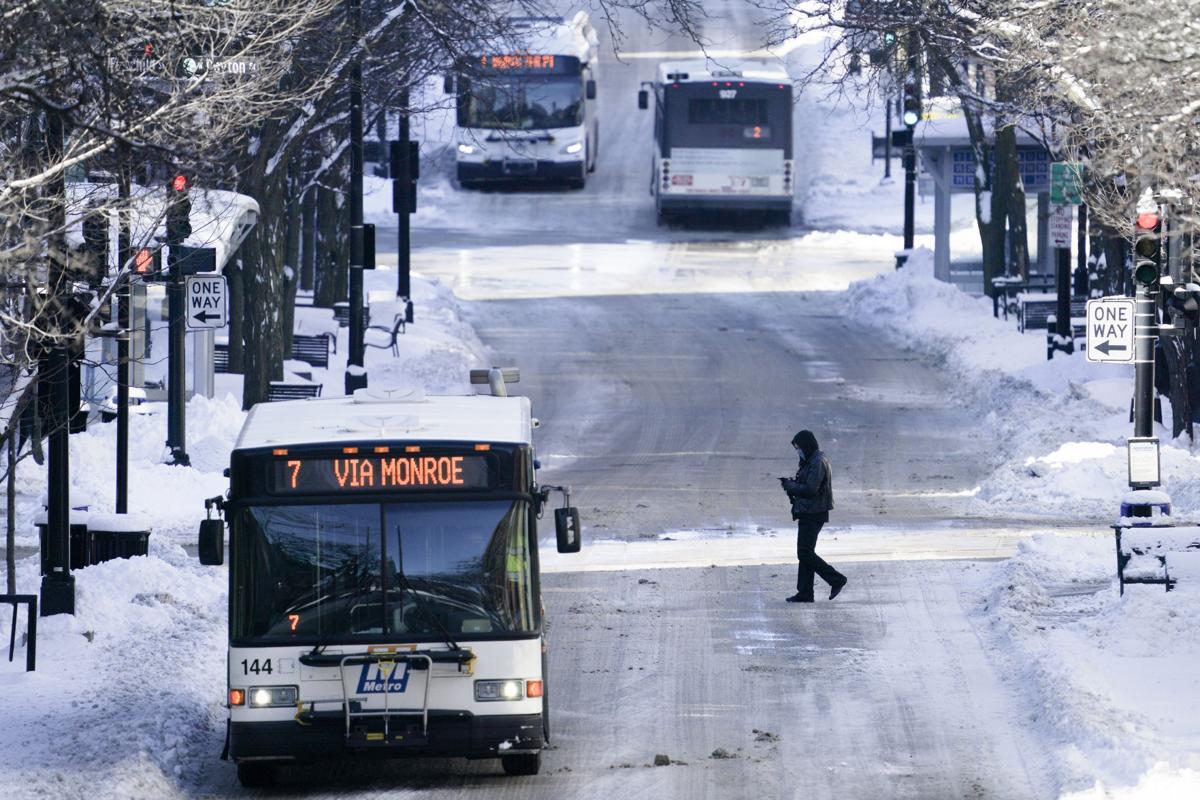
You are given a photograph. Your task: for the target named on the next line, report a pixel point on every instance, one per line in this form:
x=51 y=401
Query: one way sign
x=1110 y=329
x=206 y=302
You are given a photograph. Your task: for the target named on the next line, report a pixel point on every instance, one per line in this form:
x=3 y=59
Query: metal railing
x=31 y=646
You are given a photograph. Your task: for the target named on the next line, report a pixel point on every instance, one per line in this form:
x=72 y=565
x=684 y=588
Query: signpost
x=206 y=302
x=1110 y=327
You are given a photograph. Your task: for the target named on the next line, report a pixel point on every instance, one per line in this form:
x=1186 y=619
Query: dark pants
x=808 y=527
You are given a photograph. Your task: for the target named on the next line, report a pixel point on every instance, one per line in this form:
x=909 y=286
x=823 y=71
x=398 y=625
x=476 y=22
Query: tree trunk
x=263 y=295
x=1176 y=355
x=291 y=258
x=985 y=203
x=308 y=238
x=325 y=246
x=234 y=274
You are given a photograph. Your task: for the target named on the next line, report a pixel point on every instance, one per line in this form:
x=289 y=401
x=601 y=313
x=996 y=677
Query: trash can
x=1145 y=508
x=117 y=536
x=78 y=541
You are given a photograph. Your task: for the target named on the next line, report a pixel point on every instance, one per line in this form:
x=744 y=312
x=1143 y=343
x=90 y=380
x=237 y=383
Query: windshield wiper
x=420 y=603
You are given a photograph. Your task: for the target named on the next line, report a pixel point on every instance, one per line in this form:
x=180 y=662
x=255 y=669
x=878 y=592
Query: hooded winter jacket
x=811 y=492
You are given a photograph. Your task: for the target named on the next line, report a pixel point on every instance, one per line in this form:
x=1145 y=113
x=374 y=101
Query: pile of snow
x=1107 y=680
x=1059 y=426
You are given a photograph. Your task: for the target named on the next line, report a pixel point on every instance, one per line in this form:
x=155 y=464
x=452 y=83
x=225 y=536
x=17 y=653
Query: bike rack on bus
x=394 y=659
x=31 y=624
x=419 y=659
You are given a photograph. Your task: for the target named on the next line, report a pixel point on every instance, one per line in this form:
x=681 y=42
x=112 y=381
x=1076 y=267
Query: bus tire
x=522 y=763
x=595 y=150
x=255 y=774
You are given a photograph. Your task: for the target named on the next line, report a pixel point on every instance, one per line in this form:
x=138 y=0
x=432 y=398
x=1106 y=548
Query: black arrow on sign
x=204 y=316
x=1105 y=347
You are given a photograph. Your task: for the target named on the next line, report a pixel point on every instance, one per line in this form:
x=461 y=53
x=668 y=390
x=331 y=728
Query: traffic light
x=1147 y=248
x=179 y=210
x=912 y=104
x=95 y=246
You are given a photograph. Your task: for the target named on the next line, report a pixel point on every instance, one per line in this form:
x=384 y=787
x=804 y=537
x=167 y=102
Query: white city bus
x=384 y=593
x=529 y=114
x=722 y=138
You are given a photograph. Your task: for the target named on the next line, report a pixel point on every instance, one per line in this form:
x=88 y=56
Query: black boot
x=799 y=598
x=836 y=588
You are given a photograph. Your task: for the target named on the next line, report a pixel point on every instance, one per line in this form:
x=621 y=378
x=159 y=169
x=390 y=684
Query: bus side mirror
x=590 y=90
x=448 y=84
x=643 y=99
x=212 y=542
x=566 y=526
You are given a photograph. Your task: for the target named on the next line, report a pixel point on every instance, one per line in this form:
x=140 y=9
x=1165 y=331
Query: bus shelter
x=948 y=167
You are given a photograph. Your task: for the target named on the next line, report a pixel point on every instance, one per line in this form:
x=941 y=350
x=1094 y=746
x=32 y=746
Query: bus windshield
x=402 y=570
x=522 y=102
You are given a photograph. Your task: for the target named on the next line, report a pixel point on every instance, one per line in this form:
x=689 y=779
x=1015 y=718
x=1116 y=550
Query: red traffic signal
x=1147 y=220
x=180 y=183
x=143 y=261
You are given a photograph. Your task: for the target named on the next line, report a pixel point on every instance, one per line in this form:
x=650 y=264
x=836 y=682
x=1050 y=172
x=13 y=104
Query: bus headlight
x=487 y=691
x=467 y=149
x=272 y=696
x=573 y=148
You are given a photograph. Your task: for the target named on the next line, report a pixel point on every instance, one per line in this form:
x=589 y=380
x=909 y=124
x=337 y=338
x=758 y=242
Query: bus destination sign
x=379 y=473
x=529 y=62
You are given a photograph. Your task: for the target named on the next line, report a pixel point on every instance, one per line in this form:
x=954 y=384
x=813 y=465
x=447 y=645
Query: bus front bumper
x=450 y=733
x=520 y=170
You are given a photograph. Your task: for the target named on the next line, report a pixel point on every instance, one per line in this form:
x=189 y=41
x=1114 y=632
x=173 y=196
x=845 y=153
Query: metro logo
x=378 y=678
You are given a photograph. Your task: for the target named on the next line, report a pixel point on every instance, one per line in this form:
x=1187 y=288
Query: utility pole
x=887 y=139
x=356 y=375
x=400 y=180
x=124 y=324
x=179 y=227
x=58 y=584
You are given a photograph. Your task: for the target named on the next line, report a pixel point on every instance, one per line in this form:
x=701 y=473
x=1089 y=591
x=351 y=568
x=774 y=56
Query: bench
x=313 y=349
x=1158 y=555
x=1035 y=309
x=221 y=357
x=341 y=312
x=1007 y=287
x=397 y=328
x=282 y=390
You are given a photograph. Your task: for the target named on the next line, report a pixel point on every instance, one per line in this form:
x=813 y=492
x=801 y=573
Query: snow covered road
x=886 y=692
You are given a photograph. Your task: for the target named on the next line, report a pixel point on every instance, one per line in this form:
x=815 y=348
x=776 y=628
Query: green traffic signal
x=1146 y=272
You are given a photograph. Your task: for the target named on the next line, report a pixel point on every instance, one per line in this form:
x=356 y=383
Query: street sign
x=1110 y=330
x=1061 y=217
x=206 y=302
x=1066 y=183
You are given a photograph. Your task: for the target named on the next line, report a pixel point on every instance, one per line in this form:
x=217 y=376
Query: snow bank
x=1059 y=425
x=1108 y=681
x=126 y=701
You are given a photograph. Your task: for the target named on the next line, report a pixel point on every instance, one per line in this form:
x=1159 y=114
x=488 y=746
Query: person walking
x=811 y=493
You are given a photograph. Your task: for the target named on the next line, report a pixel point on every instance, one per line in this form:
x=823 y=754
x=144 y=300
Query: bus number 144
x=256 y=666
